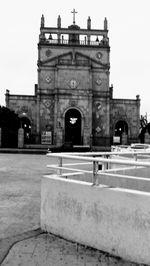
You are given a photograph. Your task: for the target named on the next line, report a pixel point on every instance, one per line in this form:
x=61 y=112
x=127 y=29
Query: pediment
x=55 y=59
x=73 y=58
x=92 y=60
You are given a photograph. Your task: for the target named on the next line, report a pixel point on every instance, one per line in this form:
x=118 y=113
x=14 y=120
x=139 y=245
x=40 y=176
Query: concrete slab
x=7 y=243
x=20 y=179
x=49 y=250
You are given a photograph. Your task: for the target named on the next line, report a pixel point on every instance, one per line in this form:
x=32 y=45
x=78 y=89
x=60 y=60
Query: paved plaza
x=21 y=240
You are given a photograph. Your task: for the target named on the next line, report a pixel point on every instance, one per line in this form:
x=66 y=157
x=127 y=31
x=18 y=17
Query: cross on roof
x=74 y=12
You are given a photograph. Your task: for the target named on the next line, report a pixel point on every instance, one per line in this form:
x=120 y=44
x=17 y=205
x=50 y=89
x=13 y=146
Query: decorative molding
x=72 y=102
x=48 y=53
x=73 y=84
x=98 y=81
x=99 y=55
x=24 y=110
x=77 y=54
x=47 y=103
x=98 y=129
x=99 y=110
x=48 y=79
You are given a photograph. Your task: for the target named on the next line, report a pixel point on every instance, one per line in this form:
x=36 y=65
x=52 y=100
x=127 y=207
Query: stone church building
x=73 y=101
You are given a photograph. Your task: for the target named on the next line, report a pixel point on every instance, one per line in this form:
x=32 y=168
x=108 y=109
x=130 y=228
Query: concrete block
x=109 y=219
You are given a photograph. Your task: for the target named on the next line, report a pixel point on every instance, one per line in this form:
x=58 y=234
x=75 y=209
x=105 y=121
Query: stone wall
x=26 y=105
x=128 y=111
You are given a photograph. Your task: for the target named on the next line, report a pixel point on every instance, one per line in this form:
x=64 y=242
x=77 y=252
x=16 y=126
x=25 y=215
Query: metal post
x=107 y=164
x=135 y=157
x=104 y=166
x=59 y=171
x=95 y=176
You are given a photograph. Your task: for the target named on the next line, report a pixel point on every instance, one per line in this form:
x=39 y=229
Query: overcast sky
x=129 y=34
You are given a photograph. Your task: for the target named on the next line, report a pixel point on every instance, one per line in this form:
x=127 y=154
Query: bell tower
x=73 y=72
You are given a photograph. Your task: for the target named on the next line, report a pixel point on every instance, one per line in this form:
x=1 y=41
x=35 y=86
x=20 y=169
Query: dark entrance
x=121 y=131
x=26 y=125
x=73 y=126
x=121 y=127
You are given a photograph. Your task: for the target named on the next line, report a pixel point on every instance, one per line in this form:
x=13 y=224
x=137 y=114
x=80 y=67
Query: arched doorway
x=121 y=131
x=121 y=127
x=73 y=126
x=26 y=125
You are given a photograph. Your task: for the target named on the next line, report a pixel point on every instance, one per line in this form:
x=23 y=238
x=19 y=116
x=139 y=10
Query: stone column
x=88 y=39
x=20 y=138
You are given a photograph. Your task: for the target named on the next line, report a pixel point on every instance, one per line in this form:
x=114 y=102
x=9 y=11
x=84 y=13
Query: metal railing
x=101 y=162
x=78 y=42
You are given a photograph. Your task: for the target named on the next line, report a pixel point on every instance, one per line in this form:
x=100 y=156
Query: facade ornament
x=73 y=84
x=47 y=103
x=98 y=129
x=98 y=81
x=48 y=79
x=99 y=55
x=72 y=102
x=48 y=53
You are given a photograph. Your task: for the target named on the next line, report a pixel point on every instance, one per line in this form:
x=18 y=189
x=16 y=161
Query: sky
x=129 y=36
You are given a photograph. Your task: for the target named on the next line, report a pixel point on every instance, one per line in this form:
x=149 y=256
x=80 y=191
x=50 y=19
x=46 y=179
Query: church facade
x=73 y=101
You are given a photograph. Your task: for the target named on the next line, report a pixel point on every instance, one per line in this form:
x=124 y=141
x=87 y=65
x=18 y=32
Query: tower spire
x=89 y=23
x=105 y=24
x=59 y=22
x=42 y=21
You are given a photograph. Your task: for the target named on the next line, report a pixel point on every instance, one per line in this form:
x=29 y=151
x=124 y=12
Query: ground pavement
x=21 y=240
